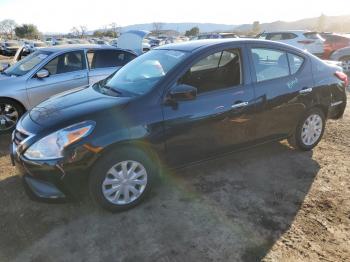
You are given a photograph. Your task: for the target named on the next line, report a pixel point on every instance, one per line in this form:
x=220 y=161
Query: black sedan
x=174 y=105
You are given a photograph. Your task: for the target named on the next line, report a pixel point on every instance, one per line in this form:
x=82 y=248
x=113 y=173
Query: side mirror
x=42 y=73
x=182 y=92
x=4 y=66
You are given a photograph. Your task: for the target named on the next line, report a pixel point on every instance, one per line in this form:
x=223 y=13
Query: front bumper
x=53 y=180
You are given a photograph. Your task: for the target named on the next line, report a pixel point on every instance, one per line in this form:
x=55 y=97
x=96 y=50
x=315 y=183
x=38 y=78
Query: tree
x=7 y=27
x=75 y=31
x=321 y=23
x=115 y=29
x=28 y=31
x=157 y=27
x=80 y=31
x=83 y=30
x=194 y=31
x=105 y=33
x=256 y=27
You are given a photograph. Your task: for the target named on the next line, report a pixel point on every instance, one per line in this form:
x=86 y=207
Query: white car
x=305 y=40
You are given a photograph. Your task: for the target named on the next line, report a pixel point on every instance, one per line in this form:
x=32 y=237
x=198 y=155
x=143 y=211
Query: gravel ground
x=270 y=203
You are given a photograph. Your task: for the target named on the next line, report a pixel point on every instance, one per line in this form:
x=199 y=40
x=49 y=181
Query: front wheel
x=10 y=112
x=346 y=64
x=309 y=131
x=121 y=179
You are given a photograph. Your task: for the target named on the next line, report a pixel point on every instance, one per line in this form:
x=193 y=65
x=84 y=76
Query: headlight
x=53 y=145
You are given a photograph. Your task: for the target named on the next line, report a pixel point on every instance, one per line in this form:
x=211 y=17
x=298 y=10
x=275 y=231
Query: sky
x=62 y=15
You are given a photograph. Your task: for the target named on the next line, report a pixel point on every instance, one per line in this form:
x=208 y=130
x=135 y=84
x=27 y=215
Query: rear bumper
x=336 y=110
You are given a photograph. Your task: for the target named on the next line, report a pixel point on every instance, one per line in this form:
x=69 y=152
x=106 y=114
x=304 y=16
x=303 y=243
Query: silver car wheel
x=8 y=116
x=312 y=129
x=346 y=65
x=124 y=182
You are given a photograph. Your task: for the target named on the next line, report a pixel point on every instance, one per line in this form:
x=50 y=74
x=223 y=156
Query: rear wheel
x=121 y=179
x=10 y=112
x=309 y=131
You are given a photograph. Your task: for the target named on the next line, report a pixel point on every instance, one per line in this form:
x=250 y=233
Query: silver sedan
x=53 y=70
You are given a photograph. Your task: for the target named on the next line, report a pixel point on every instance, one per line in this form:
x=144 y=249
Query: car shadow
x=5 y=140
x=233 y=208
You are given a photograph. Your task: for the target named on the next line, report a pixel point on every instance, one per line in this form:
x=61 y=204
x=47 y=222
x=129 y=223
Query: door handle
x=78 y=76
x=239 y=105
x=305 y=91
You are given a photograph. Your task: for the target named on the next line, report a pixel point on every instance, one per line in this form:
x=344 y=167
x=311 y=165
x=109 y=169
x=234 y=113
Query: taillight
x=306 y=42
x=343 y=77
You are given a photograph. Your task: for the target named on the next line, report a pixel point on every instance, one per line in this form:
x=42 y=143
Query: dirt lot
x=270 y=203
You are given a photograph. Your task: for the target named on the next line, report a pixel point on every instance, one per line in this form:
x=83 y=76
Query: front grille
x=18 y=137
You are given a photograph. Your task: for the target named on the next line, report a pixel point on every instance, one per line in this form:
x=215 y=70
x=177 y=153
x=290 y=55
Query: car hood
x=76 y=105
x=6 y=81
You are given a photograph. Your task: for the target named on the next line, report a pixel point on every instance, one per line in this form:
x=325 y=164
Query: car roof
x=68 y=47
x=199 y=44
x=290 y=31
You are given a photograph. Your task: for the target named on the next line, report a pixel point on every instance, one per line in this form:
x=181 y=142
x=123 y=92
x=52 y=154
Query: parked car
x=217 y=36
x=305 y=40
x=52 y=70
x=343 y=56
x=1 y=46
x=31 y=47
x=333 y=43
x=10 y=48
x=21 y=53
x=173 y=105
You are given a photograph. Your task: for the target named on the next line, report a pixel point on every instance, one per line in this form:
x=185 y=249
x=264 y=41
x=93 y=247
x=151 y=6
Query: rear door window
x=108 y=58
x=270 y=64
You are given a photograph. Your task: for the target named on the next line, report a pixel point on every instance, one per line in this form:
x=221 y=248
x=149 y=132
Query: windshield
x=141 y=74
x=25 y=65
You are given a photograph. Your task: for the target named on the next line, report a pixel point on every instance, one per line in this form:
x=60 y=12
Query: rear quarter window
x=295 y=63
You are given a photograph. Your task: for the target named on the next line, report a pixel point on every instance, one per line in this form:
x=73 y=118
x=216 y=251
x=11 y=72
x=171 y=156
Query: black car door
x=219 y=117
x=283 y=86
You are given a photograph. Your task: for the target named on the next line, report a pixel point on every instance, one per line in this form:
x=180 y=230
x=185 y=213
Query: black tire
x=17 y=106
x=296 y=140
x=345 y=59
x=106 y=162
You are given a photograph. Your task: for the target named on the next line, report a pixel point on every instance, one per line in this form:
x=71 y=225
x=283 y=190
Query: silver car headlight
x=53 y=145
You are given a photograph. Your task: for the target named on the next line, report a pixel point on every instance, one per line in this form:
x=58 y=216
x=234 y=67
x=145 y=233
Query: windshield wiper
x=110 y=89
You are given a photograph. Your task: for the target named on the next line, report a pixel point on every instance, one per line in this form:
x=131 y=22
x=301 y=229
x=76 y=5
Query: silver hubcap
x=8 y=117
x=346 y=65
x=312 y=129
x=124 y=182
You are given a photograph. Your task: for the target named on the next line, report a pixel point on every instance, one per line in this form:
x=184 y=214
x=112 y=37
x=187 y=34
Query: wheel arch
x=144 y=146
x=323 y=108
